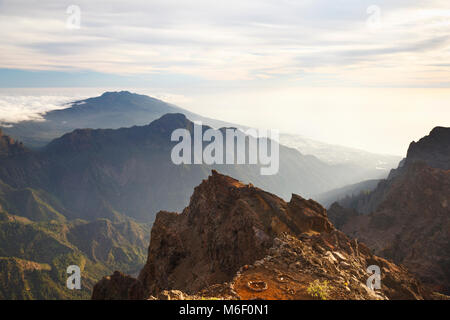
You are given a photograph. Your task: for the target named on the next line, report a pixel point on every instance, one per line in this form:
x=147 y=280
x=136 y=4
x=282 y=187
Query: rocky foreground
x=235 y=241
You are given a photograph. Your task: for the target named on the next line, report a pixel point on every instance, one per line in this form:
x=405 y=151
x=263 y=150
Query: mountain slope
x=235 y=241
x=38 y=242
x=340 y=194
x=102 y=173
x=34 y=256
x=113 y=110
x=407 y=217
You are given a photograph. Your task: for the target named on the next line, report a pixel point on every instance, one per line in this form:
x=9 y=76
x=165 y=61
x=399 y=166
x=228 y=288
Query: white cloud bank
x=21 y=108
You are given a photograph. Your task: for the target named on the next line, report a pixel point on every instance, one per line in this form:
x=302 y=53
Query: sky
x=368 y=74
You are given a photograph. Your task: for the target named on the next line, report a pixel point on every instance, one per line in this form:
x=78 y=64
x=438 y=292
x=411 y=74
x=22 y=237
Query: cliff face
x=409 y=220
x=235 y=241
x=227 y=225
x=433 y=149
x=411 y=225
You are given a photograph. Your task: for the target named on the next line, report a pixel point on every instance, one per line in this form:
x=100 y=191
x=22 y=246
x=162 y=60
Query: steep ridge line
x=233 y=236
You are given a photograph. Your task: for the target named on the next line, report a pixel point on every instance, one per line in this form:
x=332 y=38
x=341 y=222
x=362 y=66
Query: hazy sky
x=368 y=74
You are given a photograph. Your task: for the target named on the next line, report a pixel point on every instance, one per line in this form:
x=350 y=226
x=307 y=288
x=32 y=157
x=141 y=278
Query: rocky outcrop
x=118 y=287
x=9 y=147
x=293 y=264
x=433 y=149
x=235 y=241
x=227 y=225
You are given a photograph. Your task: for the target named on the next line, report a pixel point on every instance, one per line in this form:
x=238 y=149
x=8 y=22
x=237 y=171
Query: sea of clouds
x=16 y=108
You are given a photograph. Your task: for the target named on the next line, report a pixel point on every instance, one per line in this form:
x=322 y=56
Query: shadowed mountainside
x=407 y=217
x=100 y=173
x=38 y=242
x=341 y=194
x=114 y=110
x=111 y=110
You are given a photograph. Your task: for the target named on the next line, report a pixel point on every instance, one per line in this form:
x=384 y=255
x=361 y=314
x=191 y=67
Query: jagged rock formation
x=433 y=149
x=227 y=225
x=235 y=241
x=106 y=178
x=9 y=147
x=408 y=218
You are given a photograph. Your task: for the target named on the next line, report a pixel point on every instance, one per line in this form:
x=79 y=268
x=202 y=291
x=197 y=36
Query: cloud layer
x=301 y=66
x=400 y=43
x=20 y=108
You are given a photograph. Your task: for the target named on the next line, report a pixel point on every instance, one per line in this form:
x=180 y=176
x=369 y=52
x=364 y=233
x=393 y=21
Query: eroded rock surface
x=235 y=241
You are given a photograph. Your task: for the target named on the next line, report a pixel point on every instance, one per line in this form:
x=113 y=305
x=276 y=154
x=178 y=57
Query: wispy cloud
x=236 y=40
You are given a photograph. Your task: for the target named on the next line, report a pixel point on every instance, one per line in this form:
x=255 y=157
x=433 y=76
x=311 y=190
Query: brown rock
x=226 y=225
x=118 y=287
x=235 y=241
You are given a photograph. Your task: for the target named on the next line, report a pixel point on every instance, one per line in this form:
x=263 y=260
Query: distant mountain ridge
x=346 y=192
x=377 y=165
x=74 y=201
x=96 y=173
x=111 y=110
x=114 y=110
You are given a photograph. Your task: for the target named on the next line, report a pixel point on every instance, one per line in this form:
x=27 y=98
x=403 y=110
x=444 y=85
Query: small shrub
x=319 y=290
